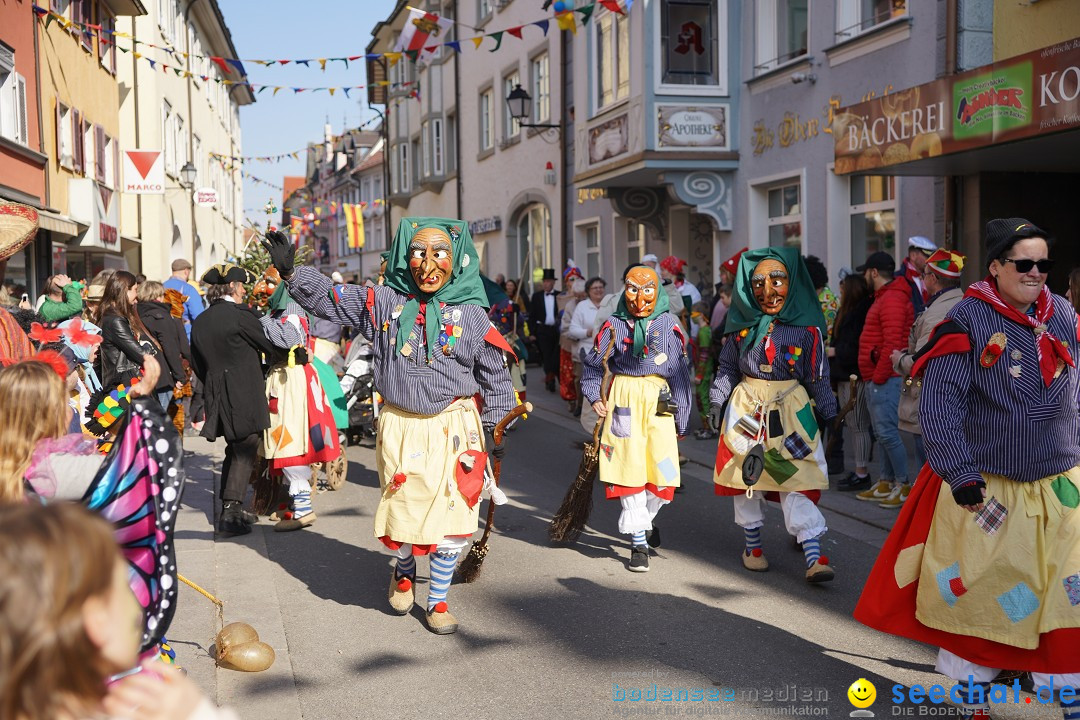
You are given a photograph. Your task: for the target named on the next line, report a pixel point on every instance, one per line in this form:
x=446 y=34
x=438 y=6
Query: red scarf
x=1048 y=347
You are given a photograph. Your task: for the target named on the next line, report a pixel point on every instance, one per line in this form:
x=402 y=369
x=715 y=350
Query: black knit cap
x=1003 y=233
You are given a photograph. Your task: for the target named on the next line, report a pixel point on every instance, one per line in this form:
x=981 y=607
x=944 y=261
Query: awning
x=129 y=243
x=59 y=223
x=1016 y=115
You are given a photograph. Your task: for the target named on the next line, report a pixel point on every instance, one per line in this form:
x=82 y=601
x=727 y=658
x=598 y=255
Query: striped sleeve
x=489 y=369
x=942 y=405
x=284 y=329
x=344 y=304
x=592 y=369
x=728 y=373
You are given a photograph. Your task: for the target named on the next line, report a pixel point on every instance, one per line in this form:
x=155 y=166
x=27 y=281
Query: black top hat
x=1003 y=233
x=549 y=274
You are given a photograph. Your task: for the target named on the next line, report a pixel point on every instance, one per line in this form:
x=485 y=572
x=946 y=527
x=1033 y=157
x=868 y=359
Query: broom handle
x=496 y=464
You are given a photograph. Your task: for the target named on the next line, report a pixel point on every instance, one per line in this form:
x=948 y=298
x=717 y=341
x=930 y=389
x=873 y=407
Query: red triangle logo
x=143 y=160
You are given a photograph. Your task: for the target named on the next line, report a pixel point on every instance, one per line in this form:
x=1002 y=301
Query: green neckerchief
x=801 y=308
x=640 y=324
x=280 y=299
x=495 y=294
x=463 y=288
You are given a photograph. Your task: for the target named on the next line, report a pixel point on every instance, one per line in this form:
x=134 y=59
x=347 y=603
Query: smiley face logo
x=862 y=693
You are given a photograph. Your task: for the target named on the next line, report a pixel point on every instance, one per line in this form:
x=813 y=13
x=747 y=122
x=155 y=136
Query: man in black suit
x=544 y=323
x=226 y=342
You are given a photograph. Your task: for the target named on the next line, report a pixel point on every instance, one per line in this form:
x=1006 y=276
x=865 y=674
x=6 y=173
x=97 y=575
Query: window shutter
x=99 y=153
x=59 y=140
x=21 y=126
x=77 y=145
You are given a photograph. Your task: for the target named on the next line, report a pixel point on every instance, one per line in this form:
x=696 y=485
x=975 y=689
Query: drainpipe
x=564 y=121
x=951 y=182
x=457 y=129
x=135 y=102
x=191 y=138
x=39 y=279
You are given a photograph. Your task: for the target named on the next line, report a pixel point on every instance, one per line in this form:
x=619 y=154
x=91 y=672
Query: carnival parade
x=615 y=358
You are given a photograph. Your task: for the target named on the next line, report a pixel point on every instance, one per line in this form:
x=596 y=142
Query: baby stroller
x=358 y=384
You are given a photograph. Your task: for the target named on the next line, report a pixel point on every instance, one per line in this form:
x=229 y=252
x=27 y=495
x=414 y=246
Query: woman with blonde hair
x=35 y=407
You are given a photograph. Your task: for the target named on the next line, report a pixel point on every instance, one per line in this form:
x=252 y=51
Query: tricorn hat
x=223 y=273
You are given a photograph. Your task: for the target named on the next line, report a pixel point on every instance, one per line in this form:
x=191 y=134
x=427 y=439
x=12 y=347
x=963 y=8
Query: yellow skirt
x=423 y=449
x=794 y=456
x=1009 y=573
x=637 y=446
x=287 y=396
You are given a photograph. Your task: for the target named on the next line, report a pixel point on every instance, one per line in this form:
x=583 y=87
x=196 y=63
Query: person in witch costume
x=771 y=385
x=434 y=350
x=984 y=559
x=302 y=428
x=645 y=410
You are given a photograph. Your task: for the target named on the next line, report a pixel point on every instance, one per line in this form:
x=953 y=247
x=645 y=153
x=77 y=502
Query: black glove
x=969 y=494
x=282 y=252
x=496 y=451
x=716 y=417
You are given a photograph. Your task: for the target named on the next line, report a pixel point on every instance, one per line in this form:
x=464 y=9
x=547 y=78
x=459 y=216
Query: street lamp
x=187 y=175
x=520 y=104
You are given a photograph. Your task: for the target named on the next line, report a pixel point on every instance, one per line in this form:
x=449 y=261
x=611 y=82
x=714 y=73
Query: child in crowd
x=703 y=365
x=69 y=625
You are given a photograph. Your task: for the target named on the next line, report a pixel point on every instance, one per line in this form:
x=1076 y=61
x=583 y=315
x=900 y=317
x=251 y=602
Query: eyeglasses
x=1024 y=266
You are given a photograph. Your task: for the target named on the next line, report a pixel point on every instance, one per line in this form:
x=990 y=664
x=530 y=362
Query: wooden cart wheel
x=336 y=470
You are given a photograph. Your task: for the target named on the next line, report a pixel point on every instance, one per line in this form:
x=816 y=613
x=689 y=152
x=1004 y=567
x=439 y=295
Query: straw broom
x=574 y=512
x=474 y=561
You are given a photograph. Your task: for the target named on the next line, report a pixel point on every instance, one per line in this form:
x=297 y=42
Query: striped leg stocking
x=753 y=541
x=442 y=573
x=812 y=550
x=406 y=566
x=637 y=538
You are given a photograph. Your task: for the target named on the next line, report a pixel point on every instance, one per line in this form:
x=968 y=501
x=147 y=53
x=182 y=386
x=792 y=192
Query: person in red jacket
x=887 y=327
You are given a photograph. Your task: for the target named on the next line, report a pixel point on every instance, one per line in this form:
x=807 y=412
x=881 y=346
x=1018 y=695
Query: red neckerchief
x=1048 y=347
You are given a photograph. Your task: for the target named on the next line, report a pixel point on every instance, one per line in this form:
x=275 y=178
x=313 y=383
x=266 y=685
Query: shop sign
x=144 y=172
x=485 y=225
x=1034 y=94
x=206 y=197
x=697 y=126
x=96 y=206
x=609 y=139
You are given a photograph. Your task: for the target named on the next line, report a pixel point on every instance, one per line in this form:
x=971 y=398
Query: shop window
x=13 y=122
x=689 y=42
x=785 y=216
x=487 y=138
x=781 y=32
x=541 y=89
x=873 y=216
x=612 y=43
x=402 y=168
x=425 y=147
x=592 y=251
x=511 y=127
x=438 y=165
x=635 y=242
x=61 y=7
x=856 y=16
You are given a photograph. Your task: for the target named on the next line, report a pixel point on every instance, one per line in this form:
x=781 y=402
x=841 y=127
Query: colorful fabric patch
x=992 y=516
x=668 y=469
x=1019 y=602
x=796 y=446
x=607 y=450
x=950 y=590
x=620 y=422
x=809 y=422
x=336 y=294
x=723 y=454
x=776 y=428
x=908 y=564
x=1066 y=492
x=779 y=469
x=1072 y=588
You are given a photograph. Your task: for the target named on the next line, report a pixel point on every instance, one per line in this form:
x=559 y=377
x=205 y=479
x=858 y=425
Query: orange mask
x=431 y=259
x=770 y=283
x=641 y=291
x=260 y=294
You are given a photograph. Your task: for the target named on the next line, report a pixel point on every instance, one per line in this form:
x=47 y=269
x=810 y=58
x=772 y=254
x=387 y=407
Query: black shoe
x=550 y=385
x=232 y=520
x=639 y=558
x=249 y=517
x=851 y=482
x=577 y=412
x=653 y=538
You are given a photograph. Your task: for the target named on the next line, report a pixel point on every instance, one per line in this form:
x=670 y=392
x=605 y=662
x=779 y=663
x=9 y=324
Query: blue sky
x=285 y=29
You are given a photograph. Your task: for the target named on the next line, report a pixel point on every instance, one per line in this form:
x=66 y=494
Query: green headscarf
x=280 y=299
x=801 y=308
x=463 y=288
x=640 y=324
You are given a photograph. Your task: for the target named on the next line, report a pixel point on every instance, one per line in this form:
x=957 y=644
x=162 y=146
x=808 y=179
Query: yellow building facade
x=1021 y=27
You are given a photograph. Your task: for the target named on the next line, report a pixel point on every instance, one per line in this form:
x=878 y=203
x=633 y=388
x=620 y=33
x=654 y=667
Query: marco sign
x=144 y=172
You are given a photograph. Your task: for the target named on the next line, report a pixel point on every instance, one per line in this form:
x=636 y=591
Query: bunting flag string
x=565 y=18
x=295 y=154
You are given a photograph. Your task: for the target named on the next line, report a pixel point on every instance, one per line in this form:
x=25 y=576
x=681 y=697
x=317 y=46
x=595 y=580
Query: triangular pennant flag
x=153 y=64
x=122 y=49
x=455 y=45
x=586 y=13
x=477 y=40
x=178 y=71
x=498 y=40
x=276 y=89
x=354 y=58
x=297 y=91
x=263 y=88
x=322 y=64
x=515 y=31
x=613 y=6
x=302 y=62
x=284 y=62
x=220 y=62
x=236 y=64
x=393 y=57
x=430 y=48
x=49 y=19
x=346 y=91
x=413 y=54
x=39 y=11
x=543 y=25
x=344 y=60
x=332 y=91
x=566 y=21
x=138 y=56
x=265 y=63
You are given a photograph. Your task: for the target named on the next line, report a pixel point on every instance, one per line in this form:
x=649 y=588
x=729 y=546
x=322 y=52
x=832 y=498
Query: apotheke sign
x=697 y=126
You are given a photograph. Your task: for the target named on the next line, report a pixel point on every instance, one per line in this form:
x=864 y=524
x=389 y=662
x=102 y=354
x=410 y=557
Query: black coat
x=120 y=357
x=845 y=340
x=226 y=342
x=538 y=311
x=170 y=335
